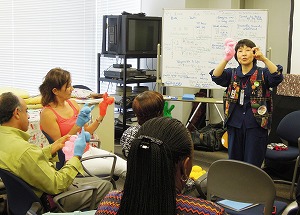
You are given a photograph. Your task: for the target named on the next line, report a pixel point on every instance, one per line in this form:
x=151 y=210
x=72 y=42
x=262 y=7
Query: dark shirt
x=243 y=113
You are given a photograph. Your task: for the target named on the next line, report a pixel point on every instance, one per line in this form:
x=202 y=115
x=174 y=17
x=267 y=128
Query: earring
x=184 y=178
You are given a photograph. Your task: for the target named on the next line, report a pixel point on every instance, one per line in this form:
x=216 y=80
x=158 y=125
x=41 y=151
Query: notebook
x=236 y=206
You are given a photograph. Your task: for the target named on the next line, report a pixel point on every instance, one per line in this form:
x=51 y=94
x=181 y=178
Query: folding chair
x=243 y=182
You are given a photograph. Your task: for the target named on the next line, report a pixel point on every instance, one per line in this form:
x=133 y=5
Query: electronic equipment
x=131 y=35
x=118 y=73
x=121 y=65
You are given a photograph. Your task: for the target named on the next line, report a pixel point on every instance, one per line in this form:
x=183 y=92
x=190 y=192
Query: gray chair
x=243 y=182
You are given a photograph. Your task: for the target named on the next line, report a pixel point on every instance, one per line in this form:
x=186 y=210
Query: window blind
x=40 y=35
x=36 y=36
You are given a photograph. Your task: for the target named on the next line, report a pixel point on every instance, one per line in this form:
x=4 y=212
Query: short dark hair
x=55 y=78
x=8 y=103
x=147 y=105
x=160 y=145
x=241 y=43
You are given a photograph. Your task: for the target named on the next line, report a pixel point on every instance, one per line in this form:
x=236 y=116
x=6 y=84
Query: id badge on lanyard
x=242 y=95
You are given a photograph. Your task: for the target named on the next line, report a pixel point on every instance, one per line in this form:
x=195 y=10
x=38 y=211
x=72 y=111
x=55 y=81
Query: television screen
x=131 y=35
x=143 y=35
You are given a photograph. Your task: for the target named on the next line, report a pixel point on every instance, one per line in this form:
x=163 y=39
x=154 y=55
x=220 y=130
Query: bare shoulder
x=47 y=114
x=75 y=104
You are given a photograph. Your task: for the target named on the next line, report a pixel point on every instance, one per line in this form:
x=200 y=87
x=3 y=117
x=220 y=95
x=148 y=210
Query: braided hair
x=149 y=189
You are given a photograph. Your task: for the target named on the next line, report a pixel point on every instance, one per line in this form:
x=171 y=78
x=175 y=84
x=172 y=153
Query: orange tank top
x=64 y=124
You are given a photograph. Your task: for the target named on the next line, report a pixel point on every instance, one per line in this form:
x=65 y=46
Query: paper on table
x=236 y=206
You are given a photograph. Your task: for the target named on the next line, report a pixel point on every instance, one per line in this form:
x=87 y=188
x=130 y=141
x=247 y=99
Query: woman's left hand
x=258 y=55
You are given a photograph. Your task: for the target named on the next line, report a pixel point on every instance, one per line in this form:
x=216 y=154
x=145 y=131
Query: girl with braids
x=158 y=166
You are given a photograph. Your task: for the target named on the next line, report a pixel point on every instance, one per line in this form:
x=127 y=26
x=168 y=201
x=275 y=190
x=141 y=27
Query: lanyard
x=244 y=85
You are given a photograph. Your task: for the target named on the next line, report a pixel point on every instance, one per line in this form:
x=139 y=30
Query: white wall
x=155 y=7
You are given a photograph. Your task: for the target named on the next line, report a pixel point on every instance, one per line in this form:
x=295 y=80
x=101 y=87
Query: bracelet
x=98 y=121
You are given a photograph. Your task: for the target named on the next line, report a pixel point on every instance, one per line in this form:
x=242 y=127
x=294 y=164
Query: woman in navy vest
x=247 y=99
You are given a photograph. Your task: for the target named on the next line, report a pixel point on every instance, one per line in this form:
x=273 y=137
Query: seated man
x=35 y=165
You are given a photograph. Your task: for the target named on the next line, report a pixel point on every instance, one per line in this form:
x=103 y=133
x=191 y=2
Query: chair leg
x=294 y=178
x=113 y=183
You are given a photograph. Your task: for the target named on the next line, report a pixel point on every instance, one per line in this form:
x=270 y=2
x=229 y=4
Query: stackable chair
x=289 y=131
x=21 y=198
x=242 y=182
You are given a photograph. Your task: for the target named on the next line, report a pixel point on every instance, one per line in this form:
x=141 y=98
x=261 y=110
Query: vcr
x=119 y=75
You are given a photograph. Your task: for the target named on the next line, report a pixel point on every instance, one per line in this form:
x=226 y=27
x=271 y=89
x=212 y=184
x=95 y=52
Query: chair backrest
x=288 y=128
x=61 y=155
x=20 y=195
x=242 y=182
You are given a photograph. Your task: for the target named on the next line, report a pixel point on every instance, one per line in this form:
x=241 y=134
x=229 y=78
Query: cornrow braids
x=149 y=187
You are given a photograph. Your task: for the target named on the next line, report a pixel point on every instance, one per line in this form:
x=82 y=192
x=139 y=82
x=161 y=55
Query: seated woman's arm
x=87 y=127
x=49 y=124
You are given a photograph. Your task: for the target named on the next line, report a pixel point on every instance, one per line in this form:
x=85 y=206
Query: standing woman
x=247 y=99
x=59 y=116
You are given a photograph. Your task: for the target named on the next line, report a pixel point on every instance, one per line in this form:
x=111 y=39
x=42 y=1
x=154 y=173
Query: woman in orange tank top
x=59 y=116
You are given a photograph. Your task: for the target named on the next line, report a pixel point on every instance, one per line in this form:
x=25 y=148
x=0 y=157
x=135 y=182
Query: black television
x=131 y=35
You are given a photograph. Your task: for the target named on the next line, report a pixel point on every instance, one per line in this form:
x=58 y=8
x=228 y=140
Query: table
x=36 y=135
x=213 y=101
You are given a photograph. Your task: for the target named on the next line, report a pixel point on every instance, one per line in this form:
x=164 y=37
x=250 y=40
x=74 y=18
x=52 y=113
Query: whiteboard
x=193 y=42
